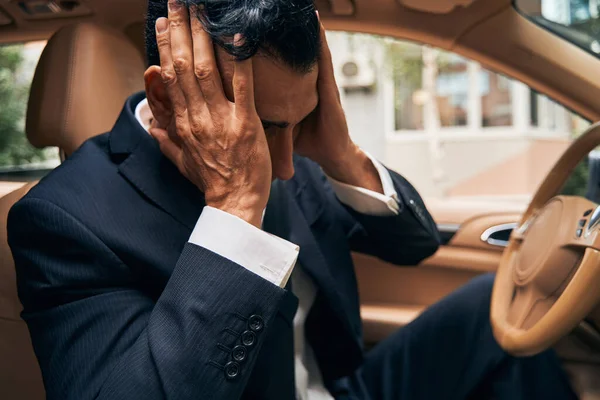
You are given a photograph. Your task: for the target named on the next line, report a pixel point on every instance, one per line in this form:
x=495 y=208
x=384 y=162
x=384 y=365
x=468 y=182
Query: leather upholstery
x=10 y=308
x=81 y=83
x=84 y=76
x=20 y=376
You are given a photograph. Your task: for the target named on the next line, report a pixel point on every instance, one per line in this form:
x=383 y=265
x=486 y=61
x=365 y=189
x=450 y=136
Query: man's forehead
x=261 y=62
x=280 y=91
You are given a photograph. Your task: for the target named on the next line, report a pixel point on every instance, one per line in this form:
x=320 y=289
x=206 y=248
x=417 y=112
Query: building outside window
x=455 y=129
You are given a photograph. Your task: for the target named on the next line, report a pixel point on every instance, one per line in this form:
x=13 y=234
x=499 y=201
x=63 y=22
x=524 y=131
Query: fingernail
x=238 y=40
x=174 y=5
x=162 y=24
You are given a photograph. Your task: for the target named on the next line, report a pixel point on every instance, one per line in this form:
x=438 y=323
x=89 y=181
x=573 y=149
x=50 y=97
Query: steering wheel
x=548 y=280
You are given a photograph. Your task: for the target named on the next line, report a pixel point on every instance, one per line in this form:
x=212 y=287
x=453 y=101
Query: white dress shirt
x=274 y=259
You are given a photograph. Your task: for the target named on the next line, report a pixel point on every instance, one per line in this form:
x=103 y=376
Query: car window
x=455 y=129
x=577 y=21
x=19 y=161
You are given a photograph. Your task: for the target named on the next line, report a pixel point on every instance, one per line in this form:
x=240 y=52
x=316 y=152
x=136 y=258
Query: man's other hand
x=325 y=139
x=218 y=145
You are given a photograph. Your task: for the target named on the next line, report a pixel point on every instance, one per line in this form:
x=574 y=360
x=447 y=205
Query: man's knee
x=465 y=308
x=470 y=302
x=481 y=286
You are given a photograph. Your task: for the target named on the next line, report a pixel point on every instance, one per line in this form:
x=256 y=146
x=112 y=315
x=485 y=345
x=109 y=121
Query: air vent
x=48 y=9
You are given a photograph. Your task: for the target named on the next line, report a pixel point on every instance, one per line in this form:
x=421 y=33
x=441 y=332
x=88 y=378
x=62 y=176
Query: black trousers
x=449 y=352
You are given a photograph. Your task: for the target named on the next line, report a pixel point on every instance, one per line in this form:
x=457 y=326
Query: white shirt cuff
x=268 y=256
x=367 y=201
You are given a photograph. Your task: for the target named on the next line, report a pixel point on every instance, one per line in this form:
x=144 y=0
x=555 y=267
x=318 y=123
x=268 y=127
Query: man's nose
x=282 y=157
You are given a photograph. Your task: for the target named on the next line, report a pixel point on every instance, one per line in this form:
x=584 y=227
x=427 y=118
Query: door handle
x=498 y=235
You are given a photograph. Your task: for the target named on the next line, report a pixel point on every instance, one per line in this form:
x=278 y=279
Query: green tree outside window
x=14 y=93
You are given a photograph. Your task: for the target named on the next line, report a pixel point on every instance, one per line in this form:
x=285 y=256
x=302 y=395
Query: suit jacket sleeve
x=97 y=335
x=403 y=239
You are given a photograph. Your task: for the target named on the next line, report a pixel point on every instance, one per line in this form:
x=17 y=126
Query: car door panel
x=392 y=296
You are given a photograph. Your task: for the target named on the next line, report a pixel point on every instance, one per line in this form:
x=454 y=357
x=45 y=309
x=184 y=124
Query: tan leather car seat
x=83 y=78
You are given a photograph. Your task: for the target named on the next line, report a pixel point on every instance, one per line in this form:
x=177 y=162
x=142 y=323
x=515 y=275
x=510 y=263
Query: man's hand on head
x=325 y=139
x=220 y=146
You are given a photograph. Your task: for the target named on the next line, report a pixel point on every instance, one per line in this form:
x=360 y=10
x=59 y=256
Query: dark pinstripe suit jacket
x=120 y=306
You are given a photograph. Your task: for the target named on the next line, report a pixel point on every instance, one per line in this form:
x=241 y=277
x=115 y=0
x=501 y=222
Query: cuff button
x=256 y=323
x=232 y=370
x=248 y=338
x=239 y=353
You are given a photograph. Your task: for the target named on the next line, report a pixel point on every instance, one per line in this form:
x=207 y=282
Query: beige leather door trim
x=383 y=283
x=381 y=320
x=466 y=259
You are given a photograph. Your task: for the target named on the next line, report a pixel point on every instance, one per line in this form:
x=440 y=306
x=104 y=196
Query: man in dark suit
x=145 y=267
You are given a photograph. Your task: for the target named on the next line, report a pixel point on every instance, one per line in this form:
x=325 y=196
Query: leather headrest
x=82 y=80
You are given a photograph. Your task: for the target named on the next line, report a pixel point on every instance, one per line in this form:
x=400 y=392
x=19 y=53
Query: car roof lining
x=491 y=32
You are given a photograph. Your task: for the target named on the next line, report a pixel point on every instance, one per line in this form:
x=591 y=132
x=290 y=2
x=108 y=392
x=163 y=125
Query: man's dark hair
x=287 y=30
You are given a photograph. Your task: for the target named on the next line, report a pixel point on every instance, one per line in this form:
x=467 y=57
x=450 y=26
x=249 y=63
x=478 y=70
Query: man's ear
x=158 y=98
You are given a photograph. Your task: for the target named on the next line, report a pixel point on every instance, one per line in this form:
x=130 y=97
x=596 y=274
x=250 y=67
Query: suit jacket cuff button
x=256 y=323
x=232 y=370
x=248 y=338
